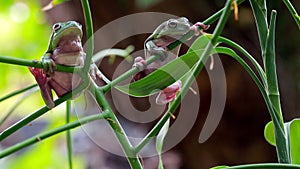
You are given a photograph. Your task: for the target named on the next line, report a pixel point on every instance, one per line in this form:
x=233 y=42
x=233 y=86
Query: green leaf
x=162 y=77
x=269 y=133
x=292 y=130
x=167 y=74
x=294 y=133
x=160 y=141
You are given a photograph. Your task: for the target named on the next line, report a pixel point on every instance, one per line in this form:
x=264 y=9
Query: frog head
x=70 y=29
x=173 y=28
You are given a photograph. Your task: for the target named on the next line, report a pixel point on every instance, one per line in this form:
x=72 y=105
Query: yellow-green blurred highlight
x=24 y=34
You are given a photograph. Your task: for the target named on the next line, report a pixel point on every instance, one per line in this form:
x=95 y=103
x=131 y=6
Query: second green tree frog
x=64 y=48
x=157 y=44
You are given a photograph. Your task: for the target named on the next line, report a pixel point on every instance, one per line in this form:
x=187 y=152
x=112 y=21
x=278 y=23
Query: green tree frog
x=64 y=48
x=156 y=44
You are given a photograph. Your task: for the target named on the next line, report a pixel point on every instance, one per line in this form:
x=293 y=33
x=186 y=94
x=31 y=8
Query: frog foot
x=140 y=63
x=196 y=26
x=95 y=72
x=168 y=94
x=48 y=66
x=39 y=75
x=42 y=80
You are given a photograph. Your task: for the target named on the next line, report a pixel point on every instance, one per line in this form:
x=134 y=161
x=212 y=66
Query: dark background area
x=239 y=136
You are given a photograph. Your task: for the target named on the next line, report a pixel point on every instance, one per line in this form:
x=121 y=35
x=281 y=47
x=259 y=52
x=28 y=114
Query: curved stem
x=26 y=120
x=17 y=92
x=293 y=12
x=50 y=133
x=243 y=51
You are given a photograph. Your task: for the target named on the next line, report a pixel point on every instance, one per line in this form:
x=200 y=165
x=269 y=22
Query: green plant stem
x=127 y=74
x=50 y=133
x=89 y=34
x=17 y=92
x=68 y=134
x=17 y=103
x=293 y=12
x=195 y=72
x=116 y=126
x=37 y=64
x=265 y=166
x=273 y=93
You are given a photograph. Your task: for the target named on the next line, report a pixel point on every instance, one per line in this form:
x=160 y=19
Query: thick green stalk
x=270 y=66
x=68 y=134
x=293 y=12
x=273 y=92
x=50 y=133
x=89 y=34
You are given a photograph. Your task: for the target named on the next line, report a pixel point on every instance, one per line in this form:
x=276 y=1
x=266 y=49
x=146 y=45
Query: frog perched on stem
x=64 y=48
x=157 y=44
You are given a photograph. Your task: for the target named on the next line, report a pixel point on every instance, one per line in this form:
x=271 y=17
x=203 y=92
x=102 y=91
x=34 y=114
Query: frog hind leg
x=169 y=93
x=42 y=81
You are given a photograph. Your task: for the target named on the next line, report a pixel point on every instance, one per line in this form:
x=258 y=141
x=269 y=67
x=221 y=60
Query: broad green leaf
x=293 y=136
x=162 y=77
x=167 y=74
x=269 y=133
x=295 y=140
x=160 y=141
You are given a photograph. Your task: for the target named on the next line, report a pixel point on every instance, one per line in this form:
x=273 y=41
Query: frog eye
x=172 y=24
x=56 y=27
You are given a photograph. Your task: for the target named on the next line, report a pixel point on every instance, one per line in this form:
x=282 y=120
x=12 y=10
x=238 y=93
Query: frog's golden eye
x=172 y=23
x=56 y=27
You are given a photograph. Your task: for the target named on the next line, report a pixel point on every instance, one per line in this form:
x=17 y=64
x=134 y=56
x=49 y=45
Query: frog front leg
x=48 y=63
x=43 y=82
x=95 y=72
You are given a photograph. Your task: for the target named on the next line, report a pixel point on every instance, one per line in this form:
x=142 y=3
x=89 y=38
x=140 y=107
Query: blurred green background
x=25 y=31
